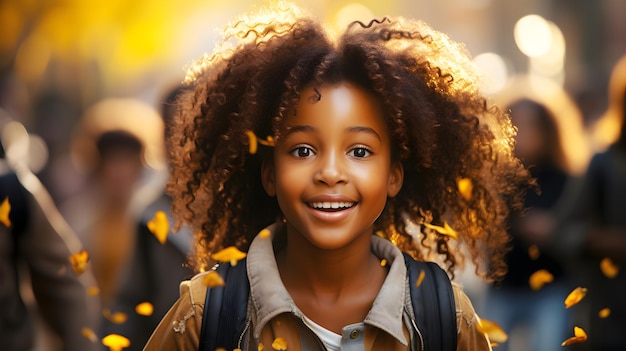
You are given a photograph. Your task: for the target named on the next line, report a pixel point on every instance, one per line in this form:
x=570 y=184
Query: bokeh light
x=493 y=71
x=551 y=63
x=533 y=35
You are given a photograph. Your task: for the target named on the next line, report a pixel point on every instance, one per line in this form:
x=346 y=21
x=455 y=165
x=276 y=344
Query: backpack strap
x=225 y=309
x=433 y=305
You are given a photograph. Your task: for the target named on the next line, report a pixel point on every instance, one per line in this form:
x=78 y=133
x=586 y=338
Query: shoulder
x=469 y=335
x=465 y=313
x=180 y=327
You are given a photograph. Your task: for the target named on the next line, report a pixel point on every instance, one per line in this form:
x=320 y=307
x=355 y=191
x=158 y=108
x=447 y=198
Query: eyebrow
x=355 y=129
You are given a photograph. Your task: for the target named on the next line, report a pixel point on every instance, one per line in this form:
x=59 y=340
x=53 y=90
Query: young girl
x=361 y=137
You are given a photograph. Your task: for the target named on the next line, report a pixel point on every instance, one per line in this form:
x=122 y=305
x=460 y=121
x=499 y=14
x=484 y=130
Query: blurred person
x=535 y=316
x=156 y=268
x=44 y=303
x=113 y=147
x=592 y=231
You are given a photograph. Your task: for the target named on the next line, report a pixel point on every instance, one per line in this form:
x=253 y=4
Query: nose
x=331 y=170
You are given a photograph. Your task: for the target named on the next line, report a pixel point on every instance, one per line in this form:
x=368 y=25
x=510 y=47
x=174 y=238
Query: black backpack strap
x=433 y=305
x=225 y=309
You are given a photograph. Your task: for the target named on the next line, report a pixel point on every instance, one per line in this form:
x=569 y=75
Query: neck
x=305 y=267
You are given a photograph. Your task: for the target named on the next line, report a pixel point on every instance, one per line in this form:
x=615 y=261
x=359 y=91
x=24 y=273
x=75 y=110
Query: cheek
x=290 y=179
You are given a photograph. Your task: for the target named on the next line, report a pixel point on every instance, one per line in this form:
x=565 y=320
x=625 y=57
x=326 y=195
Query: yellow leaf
x=492 y=330
x=465 y=188
x=230 y=254
x=445 y=230
x=609 y=268
x=144 y=309
x=252 y=142
x=5 y=210
x=221 y=349
x=159 y=226
x=579 y=336
x=420 y=278
x=79 y=261
x=237 y=349
x=261 y=347
x=533 y=252
x=89 y=335
x=575 y=296
x=268 y=142
x=265 y=233
x=115 y=342
x=212 y=280
x=383 y=262
x=279 y=344
x=115 y=318
x=604 y=313
x=540 y=278
x=93 y=291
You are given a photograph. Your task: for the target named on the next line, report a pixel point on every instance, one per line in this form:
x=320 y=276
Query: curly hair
x=442 y=131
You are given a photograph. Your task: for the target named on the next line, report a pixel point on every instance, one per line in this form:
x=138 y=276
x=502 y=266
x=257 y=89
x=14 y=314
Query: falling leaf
x=159 y=226
x=575 y=297
x=533 y=252
x=604 y=313
x=465 y=188
x=212 y=280
x=420 y=278
x=93 y=291
x=252 y=142
x=144 y=309
x=230 y=254
x=260 y=347
x=383 y=262
x=265 y=233
x=268 y=142
x=79 y=261
x=89 y=335
x=279 y=344
x=220 y=349
x=115 y=342
x=445 y=230
x=115 y=318
x=540 y=278
x=579 y=336
x=492 y=330
x=5 y=210
x=609 y=268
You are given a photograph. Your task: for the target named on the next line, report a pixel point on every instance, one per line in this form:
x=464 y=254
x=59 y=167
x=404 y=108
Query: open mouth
x=328 y=206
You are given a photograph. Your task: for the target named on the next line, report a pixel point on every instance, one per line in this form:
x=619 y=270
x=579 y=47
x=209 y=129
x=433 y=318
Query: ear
x=396 y=179
x=268 y=177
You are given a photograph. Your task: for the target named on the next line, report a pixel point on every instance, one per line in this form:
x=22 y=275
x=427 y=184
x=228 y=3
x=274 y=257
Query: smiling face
x=332 y=171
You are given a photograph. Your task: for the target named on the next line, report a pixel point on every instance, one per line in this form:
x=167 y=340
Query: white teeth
x=333 y=205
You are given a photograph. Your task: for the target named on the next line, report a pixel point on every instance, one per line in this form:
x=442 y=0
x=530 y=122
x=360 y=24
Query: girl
x=364 y=136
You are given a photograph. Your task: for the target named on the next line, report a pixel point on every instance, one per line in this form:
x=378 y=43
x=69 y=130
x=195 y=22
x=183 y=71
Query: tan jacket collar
x=270 y=297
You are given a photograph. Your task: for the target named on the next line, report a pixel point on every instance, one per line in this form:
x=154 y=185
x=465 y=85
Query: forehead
x=339 y=105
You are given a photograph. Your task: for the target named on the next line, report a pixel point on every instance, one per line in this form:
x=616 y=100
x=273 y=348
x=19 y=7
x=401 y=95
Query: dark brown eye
x=359 y=152
x=302 y=151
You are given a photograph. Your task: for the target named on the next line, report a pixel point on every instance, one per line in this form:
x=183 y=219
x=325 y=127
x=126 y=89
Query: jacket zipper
x=243 y=333
x=419 y=333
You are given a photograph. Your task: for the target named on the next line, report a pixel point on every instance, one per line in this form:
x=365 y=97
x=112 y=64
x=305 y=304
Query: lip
x=330 y=216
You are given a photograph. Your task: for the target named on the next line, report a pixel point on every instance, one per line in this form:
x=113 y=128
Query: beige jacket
x=273 y=313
